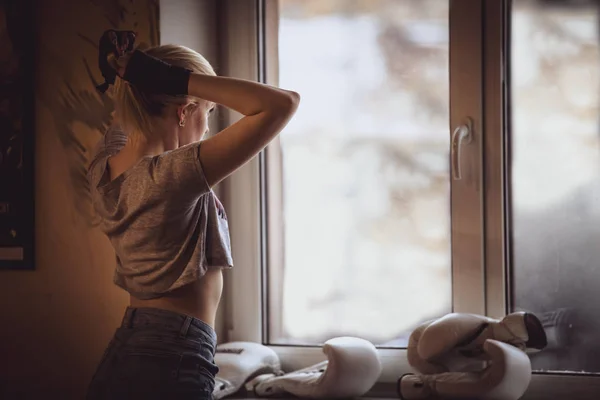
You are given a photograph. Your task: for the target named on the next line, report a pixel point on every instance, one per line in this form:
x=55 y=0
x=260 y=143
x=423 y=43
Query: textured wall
x=57 y=319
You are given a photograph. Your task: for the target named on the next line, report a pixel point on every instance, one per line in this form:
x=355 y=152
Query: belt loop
x=185 y=327
x=124 y=321
x=128 y=318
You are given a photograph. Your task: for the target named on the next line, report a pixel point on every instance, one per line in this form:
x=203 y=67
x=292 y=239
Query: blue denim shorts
x=157 y=354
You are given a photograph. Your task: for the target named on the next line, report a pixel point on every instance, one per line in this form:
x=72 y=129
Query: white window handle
x=461 y=135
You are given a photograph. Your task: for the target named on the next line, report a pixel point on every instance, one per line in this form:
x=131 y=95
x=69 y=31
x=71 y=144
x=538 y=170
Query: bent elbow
x=294 y=98
x=289 y=102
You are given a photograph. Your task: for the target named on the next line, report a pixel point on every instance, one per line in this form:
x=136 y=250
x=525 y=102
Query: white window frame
x=476 y=90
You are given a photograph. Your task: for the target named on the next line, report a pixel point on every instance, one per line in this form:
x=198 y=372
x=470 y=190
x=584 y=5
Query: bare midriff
x=199 y=299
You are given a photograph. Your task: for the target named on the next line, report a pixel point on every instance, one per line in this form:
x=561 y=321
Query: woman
x=151 y=183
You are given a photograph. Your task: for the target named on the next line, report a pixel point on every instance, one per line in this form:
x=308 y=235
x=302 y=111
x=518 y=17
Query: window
x=358 y=183
x=555 y=164
x=406 y=187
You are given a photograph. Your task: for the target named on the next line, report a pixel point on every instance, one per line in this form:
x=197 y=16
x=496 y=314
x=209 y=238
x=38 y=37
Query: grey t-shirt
x=165 y=223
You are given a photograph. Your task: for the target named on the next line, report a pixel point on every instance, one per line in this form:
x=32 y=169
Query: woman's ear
x=191 y=107
x=181 y=111
x=186 y=110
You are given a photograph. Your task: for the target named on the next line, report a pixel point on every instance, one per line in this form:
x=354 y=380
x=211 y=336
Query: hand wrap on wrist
x=153 y=76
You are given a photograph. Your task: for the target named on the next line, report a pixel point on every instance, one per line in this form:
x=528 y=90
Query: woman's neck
x=141 y=145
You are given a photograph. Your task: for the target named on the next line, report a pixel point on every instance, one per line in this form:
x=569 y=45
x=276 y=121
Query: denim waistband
x=155 y=317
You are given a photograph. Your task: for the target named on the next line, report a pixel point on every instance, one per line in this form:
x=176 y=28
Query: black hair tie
x=116 y=44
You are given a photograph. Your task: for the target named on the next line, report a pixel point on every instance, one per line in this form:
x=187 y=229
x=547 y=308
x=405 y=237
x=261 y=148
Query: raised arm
x=266 y=111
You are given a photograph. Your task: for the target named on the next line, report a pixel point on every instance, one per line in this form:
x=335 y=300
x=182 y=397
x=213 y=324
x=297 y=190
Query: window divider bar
x=242 y=285
x=466 y=79
x=493 y=156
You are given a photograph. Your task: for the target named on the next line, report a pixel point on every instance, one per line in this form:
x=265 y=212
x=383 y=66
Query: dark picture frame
x=17 y=134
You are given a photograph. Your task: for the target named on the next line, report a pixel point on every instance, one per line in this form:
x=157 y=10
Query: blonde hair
x=134 y=109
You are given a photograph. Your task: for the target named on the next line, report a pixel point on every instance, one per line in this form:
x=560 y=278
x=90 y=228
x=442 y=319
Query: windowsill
x=381 y=391
x=542 y=387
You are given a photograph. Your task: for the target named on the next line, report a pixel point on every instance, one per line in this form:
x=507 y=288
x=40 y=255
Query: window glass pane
x=364 y=183
x=555 y=88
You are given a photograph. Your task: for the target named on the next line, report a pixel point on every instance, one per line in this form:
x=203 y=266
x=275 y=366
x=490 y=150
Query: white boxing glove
x=239 y=362
x=455 y=341
x=352 y=368
x=506 y=377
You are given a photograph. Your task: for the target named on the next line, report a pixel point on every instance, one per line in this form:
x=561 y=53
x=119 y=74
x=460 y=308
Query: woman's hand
x=146 y=73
